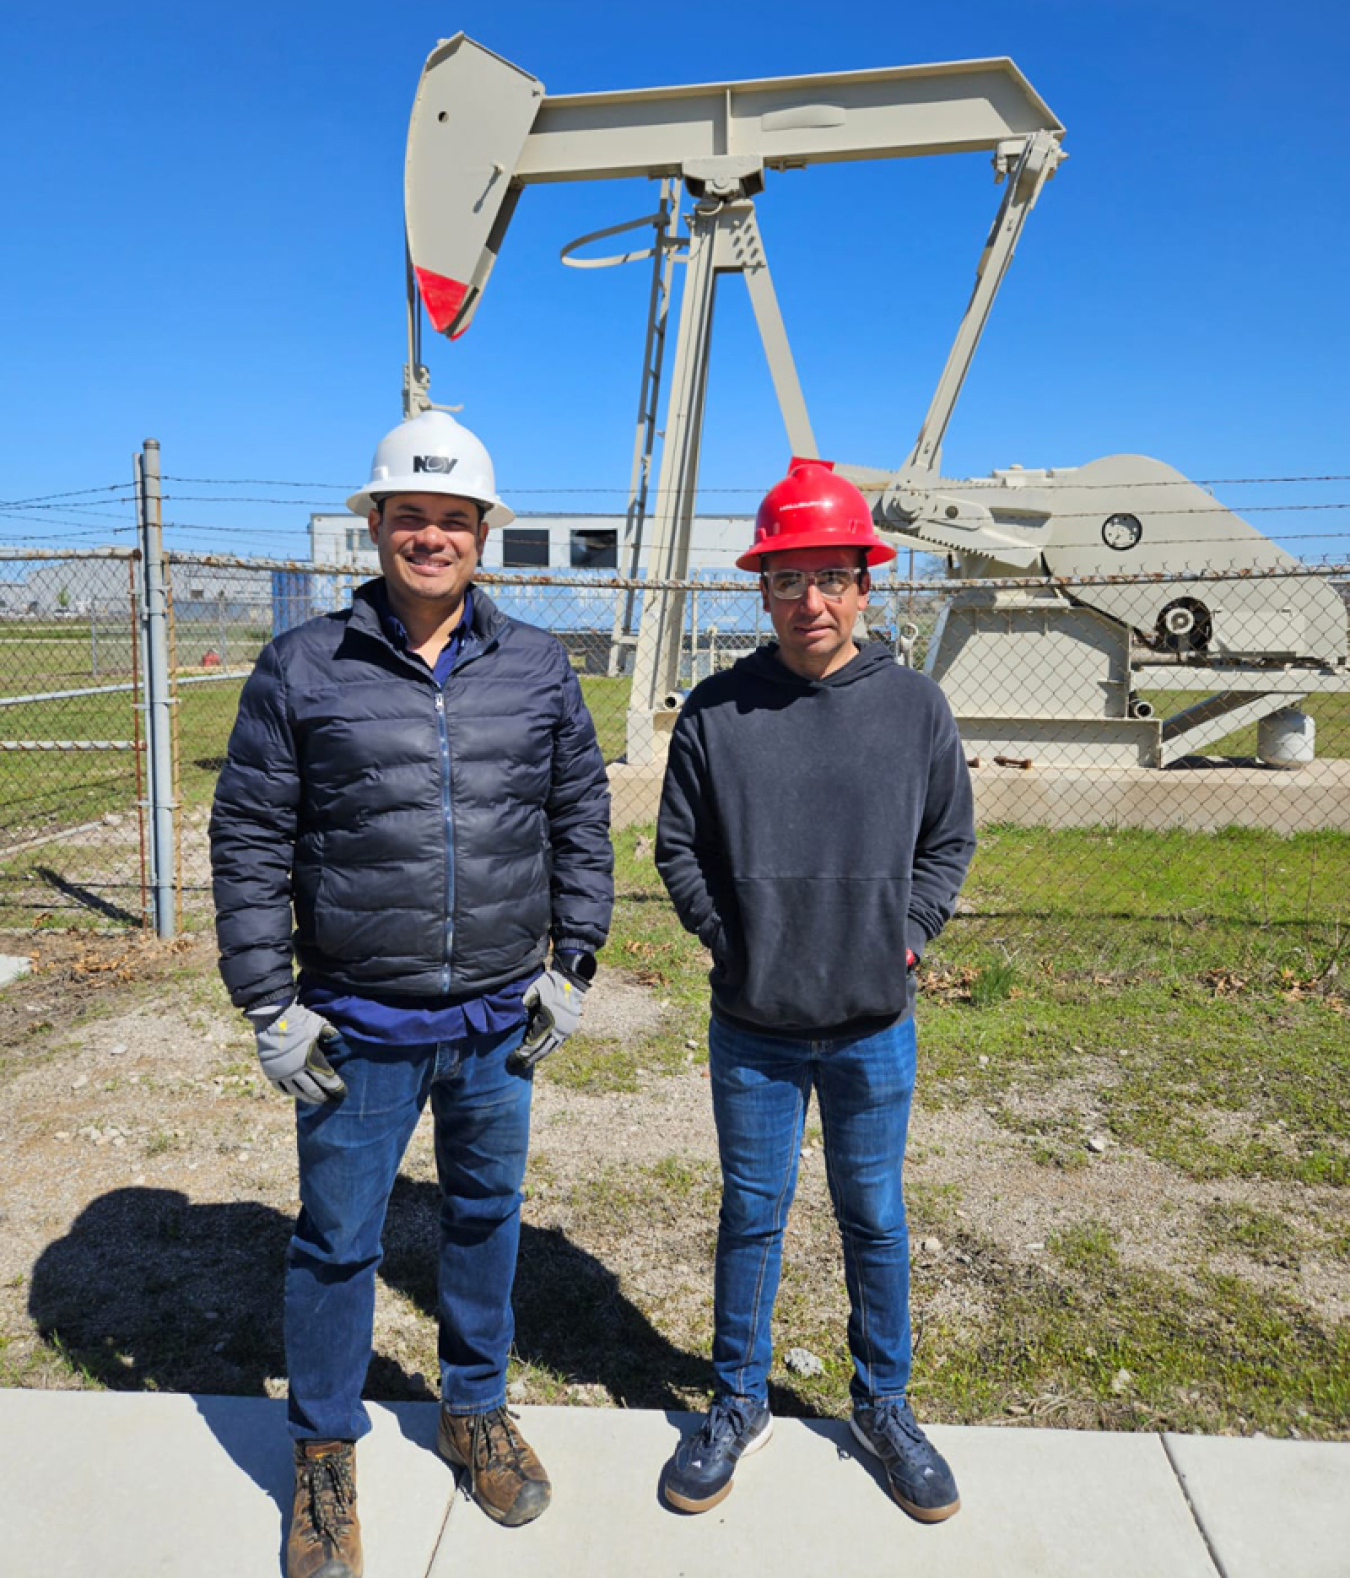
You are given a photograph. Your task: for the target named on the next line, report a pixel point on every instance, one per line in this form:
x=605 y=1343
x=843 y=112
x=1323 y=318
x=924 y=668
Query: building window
x=525 y=548
x=595 y=550
x=358 y=539
x=197 y=594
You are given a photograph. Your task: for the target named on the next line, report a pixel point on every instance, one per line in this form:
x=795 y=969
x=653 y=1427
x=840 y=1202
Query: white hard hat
x=432 y=453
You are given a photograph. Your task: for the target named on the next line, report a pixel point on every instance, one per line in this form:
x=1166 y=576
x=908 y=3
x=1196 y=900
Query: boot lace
x=494 y=1439
x=331 y=1486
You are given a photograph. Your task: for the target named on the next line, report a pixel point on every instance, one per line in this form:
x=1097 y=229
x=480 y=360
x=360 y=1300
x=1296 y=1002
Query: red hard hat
x=813 y=508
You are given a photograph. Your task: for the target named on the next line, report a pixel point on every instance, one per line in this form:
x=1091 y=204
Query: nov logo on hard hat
x=442 y=463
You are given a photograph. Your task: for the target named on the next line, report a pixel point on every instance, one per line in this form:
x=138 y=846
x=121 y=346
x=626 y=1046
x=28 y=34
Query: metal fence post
x=158 y=703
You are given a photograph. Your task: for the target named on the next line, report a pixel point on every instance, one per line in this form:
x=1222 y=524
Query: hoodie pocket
x=822 y=950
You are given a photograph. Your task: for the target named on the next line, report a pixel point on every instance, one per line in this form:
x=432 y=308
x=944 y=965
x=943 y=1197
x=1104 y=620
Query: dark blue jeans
x=760 y=1088
x=349 y=1155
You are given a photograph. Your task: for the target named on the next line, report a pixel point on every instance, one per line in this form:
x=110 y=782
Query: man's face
x=428 y=545
x=815 y=633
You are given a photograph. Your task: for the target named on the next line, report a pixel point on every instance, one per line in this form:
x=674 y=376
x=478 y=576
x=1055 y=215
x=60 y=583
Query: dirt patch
x=1158 y=1219
x=74 y=971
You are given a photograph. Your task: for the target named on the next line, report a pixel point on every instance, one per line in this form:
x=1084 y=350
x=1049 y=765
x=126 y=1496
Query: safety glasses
x=831 y=584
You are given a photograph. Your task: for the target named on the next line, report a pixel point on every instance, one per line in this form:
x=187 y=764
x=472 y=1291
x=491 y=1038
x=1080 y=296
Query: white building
x=560 y=543
x=571 y=546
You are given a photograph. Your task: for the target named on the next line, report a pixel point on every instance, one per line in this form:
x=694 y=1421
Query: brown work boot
x=325 y=1537
x=506 y=1479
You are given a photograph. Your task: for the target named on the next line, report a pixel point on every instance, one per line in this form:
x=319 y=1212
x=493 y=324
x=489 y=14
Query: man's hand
x=553 y=1006
x=289 y=1050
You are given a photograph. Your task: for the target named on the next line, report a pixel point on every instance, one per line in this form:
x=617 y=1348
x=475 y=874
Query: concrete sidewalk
x=134 y=1485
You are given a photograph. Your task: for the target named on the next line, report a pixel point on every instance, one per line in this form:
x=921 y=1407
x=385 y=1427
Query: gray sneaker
x=916 y=1471
x=699 y=1475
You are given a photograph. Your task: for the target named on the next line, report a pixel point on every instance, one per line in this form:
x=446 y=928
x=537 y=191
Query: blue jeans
x=349 y=1154
x=760 y=1087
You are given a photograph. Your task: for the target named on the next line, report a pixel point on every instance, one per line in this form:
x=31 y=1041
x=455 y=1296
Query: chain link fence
x=71 y=831
x=1122 y=731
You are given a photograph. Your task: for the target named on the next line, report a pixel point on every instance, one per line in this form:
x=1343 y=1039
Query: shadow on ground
x=150 y=1292
x=572 y=1319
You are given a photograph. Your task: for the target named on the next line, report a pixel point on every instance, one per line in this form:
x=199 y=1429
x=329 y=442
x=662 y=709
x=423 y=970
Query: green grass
x=205 y=717
x=1080 y=1338
x=669 y=1188
x=993 y=983
x=1218 y=1069
x=647 y=946
x=607 y=700
x=61 y=656
x=1088 y=1246
x=48 y=789
x=1126 y=1348
x=1265 y=1236
x=1329 y=712
x=1208 y=1020
x=1248 y=875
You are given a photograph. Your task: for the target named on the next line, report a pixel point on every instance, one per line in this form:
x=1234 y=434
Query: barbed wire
x=79 y=520
x=82 y=532
x=1050 y=472
x=39 y=498
x=1190 y=573
x=128 y=489
x=262 y=482
x=1205 y=509
x=938 y=550
x=79 y=529
x=54 y=510
x=75 y=516
x=1214 y=509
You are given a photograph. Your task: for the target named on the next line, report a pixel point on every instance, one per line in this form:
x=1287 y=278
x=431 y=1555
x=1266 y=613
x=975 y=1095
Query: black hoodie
x=810 y=831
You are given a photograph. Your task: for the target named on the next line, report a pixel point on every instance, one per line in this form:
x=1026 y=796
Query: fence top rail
x=12 y=555
x=229 y=561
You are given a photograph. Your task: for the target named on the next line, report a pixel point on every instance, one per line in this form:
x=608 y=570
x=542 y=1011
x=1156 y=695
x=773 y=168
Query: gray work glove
x=553 y=1006
x=289 y=1050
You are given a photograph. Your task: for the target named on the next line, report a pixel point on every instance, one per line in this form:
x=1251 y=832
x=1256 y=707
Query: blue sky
x=204 y=244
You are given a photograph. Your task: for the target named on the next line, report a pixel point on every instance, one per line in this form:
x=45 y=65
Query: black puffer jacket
x=426 y=842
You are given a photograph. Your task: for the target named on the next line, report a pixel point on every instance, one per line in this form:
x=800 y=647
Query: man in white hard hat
x=816 y=825
x=414 y=811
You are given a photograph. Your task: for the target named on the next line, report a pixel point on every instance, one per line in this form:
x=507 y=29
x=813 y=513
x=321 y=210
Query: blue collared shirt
x=408 y=1021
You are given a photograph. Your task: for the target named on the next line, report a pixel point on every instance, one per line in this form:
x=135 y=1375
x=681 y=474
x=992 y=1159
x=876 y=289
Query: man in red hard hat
x=816 y=825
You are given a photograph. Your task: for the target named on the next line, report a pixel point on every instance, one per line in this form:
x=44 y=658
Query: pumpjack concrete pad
x=1053 y=1503
x=1270 y=1509
x=138 y=1485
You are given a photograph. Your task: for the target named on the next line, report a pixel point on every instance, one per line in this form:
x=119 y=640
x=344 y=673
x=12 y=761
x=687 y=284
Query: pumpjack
x=1133 y=590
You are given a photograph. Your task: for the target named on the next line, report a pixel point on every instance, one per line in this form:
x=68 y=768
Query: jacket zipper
x=448 y=935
